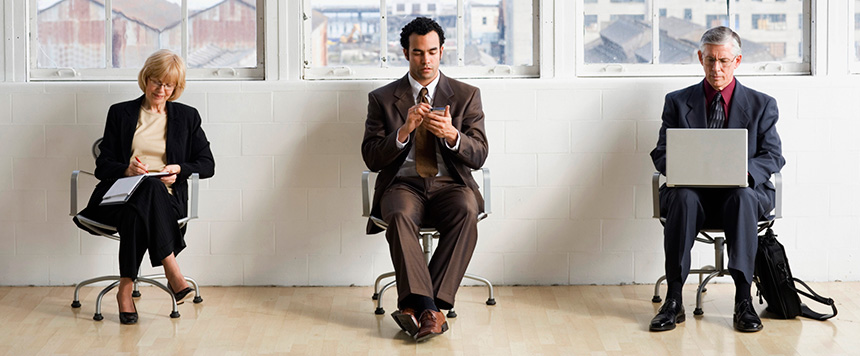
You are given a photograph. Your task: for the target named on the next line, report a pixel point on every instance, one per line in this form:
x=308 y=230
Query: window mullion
x=461 y=34
x=32 y=47
x=307 y=36
x=538 y=13
x=383 y=33
x=729 y=13
x=108 y=34
x=852 y=37
x=184 y=30
x=655 y=33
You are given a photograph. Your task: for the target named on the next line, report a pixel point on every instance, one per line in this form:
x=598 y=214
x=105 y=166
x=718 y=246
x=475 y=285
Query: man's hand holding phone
x=414 y=118
x=438 y=122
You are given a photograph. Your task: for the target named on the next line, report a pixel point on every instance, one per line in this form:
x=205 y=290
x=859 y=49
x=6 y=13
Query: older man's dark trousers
x=449 y=207
x=688 y=210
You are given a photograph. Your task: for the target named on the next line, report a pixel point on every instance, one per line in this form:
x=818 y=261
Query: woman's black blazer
x=186 y=146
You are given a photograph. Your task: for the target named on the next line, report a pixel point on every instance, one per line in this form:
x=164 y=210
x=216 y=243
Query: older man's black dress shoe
x=746 y=319
x=671 y=313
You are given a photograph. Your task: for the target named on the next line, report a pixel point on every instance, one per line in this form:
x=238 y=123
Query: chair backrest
x=481 y=176
x=95 y=149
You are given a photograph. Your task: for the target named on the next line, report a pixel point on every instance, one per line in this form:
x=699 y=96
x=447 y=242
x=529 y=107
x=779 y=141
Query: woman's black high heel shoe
x=180 y=295
x=128 y=318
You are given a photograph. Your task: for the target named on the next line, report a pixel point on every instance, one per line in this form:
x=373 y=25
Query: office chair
x=111 y=233
x=719 y=268
x=427 y=235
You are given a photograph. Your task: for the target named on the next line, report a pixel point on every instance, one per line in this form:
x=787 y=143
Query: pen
x=138 y=160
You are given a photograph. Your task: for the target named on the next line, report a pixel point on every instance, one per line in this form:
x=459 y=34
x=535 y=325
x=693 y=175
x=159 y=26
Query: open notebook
x=123 y=188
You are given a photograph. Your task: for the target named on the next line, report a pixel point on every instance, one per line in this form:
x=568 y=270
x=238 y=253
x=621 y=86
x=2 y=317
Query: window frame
x=384 y=72
x=853 y=61
x=127 y=74
x=677 y=70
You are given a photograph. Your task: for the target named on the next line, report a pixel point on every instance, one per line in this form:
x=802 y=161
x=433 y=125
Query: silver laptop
x=706 y=158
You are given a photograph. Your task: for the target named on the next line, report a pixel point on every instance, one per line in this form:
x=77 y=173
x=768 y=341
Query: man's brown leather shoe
x=405 y=319
x=431 y=323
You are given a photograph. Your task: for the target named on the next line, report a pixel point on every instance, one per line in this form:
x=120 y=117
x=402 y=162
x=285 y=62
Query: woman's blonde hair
x=164 y=66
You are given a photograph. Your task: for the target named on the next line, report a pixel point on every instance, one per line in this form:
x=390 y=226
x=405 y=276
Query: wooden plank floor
x=557 y=320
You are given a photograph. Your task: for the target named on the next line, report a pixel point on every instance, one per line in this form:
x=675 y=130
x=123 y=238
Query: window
x=776 y=49
x=717 y=20
x=591 y=23
x=630 y=18
x=623 y=40
x=854 y=35
x=361 y=39
x=769 y=22
x=70 y=39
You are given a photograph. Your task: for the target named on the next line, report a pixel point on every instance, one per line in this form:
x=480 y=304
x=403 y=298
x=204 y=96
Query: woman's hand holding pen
x=136 y=168
x=173 y=169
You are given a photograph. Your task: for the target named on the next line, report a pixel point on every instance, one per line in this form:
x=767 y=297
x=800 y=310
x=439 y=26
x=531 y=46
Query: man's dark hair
x=420 y=26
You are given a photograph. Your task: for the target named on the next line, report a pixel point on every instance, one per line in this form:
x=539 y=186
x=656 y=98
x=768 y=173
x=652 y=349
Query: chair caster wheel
x=198 y=299
x=698 y=311
x=491 y=301
x=76 y=304
x=704 y=290
x=656 y=299
x=375 y=296
x=379 y=311
x=135 y=294
x=451 y=313
x=174 y=315
x=98 y=317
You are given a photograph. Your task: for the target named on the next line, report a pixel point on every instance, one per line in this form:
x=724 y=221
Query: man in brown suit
x=424 y=155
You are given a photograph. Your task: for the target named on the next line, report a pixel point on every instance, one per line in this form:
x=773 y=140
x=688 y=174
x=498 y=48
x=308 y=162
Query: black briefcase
x=775 y=283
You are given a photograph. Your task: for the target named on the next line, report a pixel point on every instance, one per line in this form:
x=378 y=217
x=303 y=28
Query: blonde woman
x=151 y=134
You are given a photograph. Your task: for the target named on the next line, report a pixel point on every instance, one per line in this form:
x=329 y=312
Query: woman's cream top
x=150 y=141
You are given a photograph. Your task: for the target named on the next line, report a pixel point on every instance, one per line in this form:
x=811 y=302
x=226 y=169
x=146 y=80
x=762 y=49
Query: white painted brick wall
x=571 y=182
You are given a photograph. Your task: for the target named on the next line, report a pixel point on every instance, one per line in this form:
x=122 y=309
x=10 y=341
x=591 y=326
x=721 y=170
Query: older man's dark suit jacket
x=186 y=145
x=751 y=110
x=387 y=110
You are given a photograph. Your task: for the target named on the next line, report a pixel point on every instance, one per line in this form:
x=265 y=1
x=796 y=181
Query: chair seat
x=421 y=230
x=97 y=227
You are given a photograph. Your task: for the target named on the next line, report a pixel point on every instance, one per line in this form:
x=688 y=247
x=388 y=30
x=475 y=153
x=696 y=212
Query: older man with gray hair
x=719 y=101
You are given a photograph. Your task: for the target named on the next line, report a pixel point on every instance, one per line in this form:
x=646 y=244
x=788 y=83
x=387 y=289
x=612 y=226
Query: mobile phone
x=438 y=110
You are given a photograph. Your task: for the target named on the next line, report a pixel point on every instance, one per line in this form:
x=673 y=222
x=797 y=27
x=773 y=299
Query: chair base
x=718 y=270
x=377 y=292
x=149 y=279
x=710 y=271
